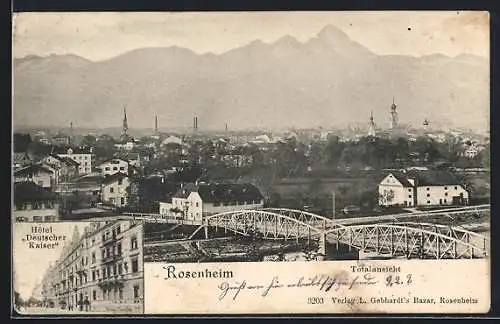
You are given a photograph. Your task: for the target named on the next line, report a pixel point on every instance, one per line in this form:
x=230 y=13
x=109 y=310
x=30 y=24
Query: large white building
x=114 y=166
x=114 y=189
x=195 y=201
x=98 y=270
x=82 y=155
x=421 y=188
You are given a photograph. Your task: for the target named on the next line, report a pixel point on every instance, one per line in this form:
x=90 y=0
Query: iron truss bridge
x=397 y=238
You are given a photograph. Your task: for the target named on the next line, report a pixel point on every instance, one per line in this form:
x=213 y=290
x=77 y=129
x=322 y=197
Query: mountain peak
x=332 y=33
x=287 y=40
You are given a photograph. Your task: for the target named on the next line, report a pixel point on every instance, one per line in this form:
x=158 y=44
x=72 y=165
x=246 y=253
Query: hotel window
x=428 y=189
x=136 y=291
x=409 y=196
x=197 y=204
x=428 y=202
x=122 y=168
x=94 y=295
x=120 y=182
x=93 y=256
x=133 y=243
x=37 y=218
x=93 y=275
x=115 y=168
x=446 y=194
x=445 y=201
x=107 y=168
x=445 y=188
x=111 y=190
x=119 y=249
x=428 y=195
x=135 y=265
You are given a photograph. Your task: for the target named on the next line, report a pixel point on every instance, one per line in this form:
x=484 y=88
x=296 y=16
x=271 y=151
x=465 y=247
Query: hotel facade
x=100 y=270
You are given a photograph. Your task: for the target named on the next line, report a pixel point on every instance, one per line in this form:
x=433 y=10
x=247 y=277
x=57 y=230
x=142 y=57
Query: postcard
x=190 y=163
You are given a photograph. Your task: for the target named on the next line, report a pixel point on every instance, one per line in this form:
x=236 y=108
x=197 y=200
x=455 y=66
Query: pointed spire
x=125 y=122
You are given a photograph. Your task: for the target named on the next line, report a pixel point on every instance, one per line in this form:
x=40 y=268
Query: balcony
x=111 y=281
x=109 y=239
x=111 y=258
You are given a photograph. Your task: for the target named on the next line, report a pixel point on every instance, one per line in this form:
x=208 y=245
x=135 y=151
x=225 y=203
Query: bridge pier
x=322 y=248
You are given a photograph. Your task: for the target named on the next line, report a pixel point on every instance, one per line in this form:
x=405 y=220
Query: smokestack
x=226 y=127
x=156 y=124
x=333 y=204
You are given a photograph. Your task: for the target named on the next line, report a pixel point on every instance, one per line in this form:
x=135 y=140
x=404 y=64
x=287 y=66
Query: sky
x=30 y=264
x=99 y=36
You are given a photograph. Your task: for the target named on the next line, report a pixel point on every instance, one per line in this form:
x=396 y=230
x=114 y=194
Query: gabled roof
x=31 y=170
x=69 y=161
x=76 y=150
x=115 y=158
x=29 y=191
x=433 y=178
x=401 y=177
x=55 y=156
x=222 y=192
x=20 y=157
x=114 y=177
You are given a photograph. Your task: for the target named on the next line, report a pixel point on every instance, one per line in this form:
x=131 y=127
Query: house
x=38 y=174
x=421 y=188
x=125 y=146
x=61 y=140
x=114 y=189
x=33 y=203
x=195 y=201
x=66 y=167
x=82 y=155
x=20 y=160
x=114 y=166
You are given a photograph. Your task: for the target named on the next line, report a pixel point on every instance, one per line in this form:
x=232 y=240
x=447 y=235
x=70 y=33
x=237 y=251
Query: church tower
x=125 y=123
x=371 y=129
x=394 y=115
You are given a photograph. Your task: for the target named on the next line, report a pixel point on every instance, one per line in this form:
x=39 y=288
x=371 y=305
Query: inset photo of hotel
x=78 y=268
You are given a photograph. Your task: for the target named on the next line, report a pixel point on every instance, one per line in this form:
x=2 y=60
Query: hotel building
x=100 y=270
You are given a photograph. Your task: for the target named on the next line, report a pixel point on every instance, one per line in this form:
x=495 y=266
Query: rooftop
x=114 y=177
x=221 y=192
x=29 y=191
x=32 y=169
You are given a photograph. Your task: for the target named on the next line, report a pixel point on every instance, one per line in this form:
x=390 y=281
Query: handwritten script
x=325 y=283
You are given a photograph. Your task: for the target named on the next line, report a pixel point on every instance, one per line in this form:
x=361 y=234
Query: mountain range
x=326 y=81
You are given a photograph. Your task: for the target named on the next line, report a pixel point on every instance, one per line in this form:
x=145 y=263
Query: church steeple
x=125 y=122
x=394 y=115
x=371 y=129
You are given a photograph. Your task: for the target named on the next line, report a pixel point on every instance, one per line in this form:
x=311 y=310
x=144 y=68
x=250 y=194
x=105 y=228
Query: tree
x=387 y=196
x=88 y=140
x=21 y=142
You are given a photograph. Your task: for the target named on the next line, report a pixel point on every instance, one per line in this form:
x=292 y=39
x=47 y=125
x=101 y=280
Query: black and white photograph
x=258 y=136
x=77 y=268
